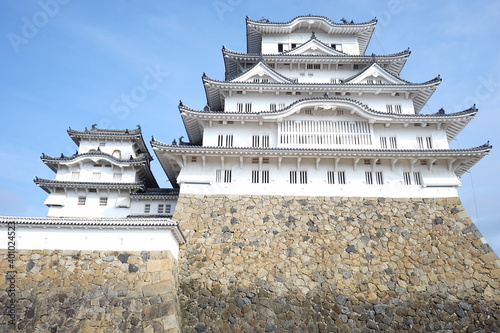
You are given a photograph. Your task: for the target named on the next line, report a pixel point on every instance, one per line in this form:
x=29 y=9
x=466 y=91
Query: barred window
x=147 y=208
x=406 y=178
x=369 y=177
x=103 y=201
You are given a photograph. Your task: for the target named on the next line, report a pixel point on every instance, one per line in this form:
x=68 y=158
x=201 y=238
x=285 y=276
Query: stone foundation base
x=323 y=264
x=92 y=291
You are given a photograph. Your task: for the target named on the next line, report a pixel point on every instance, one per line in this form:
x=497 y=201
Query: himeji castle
x=311 y=194
x=306 y=111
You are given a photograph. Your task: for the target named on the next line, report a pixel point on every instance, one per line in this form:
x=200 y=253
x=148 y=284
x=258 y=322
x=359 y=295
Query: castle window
x=260 y=176
x=168 y=209
x=272 y=107
x=160 y=209
x=341 y=177
x=226 y=140
x=75 y=175
x=369 y=177
x=280 y=47
x=294 y=45
x=424 y=143
x=102 y=144
x=260 y=141
x=302 y=177
x=81 y=201
x=96 y=176
x=355 y=66
x=117 y=154
x=117 y=176
x=103 y=201
x=239 y=107
x=388 y=142
x=265 y=160
x=406 y=178
x=397 y=108
x=255 y=176
x=265 y=141
x=417 y=178
x=388 y=108
x=379 y=177
x=223 y=176
x=248 y=107
x=194 y=159
x=265 y=176
x=147 y=208
x=229 y=140
x=255 y=140
x=313 y=66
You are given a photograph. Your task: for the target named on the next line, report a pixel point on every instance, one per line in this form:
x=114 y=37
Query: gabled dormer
x=374 y=74
x=315 y=47
x=261 y=73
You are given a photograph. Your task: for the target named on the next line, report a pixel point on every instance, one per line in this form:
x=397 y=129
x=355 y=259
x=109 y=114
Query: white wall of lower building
x=67 y=238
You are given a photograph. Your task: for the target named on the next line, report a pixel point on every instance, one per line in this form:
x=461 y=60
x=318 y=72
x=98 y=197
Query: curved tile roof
x=255 y=29
x=395 y=61
x=162 y=222
x=47 y=184
x=54 y=161
x=460 y=119
x=134 y=135
x=471 y=155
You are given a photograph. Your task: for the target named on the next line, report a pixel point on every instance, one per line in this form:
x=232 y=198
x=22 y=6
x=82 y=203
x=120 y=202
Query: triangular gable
x=314 y=47
x=261 y=73
x=374 y=74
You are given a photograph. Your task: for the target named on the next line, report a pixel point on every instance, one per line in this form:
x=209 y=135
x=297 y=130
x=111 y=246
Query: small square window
x=103 y=201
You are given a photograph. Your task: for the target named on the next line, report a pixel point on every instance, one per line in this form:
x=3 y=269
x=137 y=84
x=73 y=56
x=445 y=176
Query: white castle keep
x=306 y=112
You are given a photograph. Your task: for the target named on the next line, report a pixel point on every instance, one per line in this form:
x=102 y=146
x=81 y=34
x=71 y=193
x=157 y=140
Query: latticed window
x=424 y=142
x=325 y=132
x=255 y=176
x=406 y=178
x=369 y=177
x=303 y=177
x=379 y=177
x=160 y=209
x=168 y=209
x=147 y=208
x=293 y=177
x=255 y=141
x=103 y=201
x=81 y=201
x=341 y=177
x=417 y=178
x=223 y=176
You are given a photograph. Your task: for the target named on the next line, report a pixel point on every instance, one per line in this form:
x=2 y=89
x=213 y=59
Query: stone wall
x=329 y=264
x=93 y=291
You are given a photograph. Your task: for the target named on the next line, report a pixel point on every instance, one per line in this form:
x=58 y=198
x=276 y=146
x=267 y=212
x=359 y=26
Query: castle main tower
x=315 y=195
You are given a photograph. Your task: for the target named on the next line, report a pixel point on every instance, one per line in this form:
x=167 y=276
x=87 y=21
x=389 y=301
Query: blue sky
x=69 y=63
